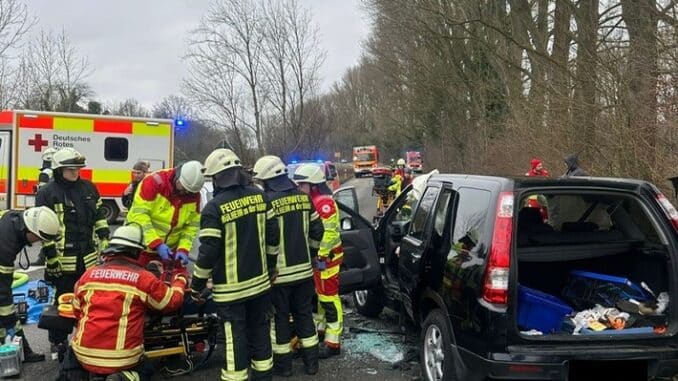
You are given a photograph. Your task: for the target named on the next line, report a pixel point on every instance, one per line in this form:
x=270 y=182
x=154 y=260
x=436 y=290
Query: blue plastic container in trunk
x=540 y=311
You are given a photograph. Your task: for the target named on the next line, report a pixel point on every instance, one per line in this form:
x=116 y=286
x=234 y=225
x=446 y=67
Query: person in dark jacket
x=19 y=229
x=301 y=231
x=573 y=168
x=239 y=244
x=139 y=171
x=78 y=206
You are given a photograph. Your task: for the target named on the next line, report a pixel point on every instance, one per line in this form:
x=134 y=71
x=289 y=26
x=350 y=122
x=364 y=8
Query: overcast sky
x=135 y=46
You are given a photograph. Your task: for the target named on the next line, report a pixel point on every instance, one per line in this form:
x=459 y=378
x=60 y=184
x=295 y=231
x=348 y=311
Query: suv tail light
x=669 y=209
x=495 y=289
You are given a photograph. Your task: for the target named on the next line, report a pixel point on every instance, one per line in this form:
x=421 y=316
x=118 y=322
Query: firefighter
x=300 y=233
x=139 y=171
x=46 y=173
x=44 y=177
x=18 y=230
x=77 y=204
x=239 y=240
x=329 y=318
x=110 y=302
x=167 y=206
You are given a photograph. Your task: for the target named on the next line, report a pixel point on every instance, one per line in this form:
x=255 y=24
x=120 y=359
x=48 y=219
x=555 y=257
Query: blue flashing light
x=320 y=161
x=294 y=162
x=180 y=123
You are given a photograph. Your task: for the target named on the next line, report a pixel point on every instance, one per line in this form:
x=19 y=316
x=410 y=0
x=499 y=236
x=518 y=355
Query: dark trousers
x=295 y=299
x=62 y=285
x=247 y=338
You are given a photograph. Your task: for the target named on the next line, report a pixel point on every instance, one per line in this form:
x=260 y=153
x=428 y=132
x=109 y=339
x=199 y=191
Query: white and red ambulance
x=110 y=144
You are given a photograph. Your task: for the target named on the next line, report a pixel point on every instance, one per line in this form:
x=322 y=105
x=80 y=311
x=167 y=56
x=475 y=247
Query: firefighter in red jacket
x=110 y=302
x=329 y=318
x=167 y=206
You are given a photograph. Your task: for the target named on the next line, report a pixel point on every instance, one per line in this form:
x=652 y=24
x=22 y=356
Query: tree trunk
x=585 y=108
x=559 y=94
x=641 y=20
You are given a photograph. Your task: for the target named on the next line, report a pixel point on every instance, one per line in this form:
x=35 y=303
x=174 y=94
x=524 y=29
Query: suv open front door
x=360 y=269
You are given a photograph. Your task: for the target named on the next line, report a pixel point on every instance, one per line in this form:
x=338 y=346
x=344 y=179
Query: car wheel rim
x=361 y=297
x=434 y=354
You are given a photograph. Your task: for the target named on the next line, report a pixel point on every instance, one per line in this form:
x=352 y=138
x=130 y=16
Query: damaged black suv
x=495 y=269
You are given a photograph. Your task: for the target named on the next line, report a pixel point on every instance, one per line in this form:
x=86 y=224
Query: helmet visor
x=74 y=162
x=49 y=237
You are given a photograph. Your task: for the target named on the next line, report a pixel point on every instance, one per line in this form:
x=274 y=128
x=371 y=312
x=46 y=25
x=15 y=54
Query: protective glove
x=164 y=251
x=11 y=332
x=320 y=264
x=182 y=257
x=53 y=269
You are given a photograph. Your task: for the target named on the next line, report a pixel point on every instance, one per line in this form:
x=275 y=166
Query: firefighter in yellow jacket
x=239 y=243
x=167 y=206
x=329 y=318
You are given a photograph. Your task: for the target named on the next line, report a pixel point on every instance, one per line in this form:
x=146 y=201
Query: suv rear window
x=471 y=214
x=573 y=218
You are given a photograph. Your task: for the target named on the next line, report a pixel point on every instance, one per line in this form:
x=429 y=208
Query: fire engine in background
x=111 y=145
x=365 y=158
x=413 y=161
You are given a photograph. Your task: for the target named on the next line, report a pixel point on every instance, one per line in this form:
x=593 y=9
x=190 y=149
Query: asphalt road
x=373 y=349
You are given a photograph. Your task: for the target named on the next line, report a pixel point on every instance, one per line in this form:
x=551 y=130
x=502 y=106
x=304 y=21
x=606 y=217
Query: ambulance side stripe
x=73 y=124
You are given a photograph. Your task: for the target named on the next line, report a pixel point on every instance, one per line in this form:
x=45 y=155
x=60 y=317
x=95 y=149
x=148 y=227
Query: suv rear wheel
x=436 y=348
x=367 y=302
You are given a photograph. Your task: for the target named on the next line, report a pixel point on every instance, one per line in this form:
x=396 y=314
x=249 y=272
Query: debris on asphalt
x=385 y=347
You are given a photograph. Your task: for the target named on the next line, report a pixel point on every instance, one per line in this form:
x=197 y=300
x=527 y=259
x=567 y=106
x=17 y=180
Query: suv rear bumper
x=544 y=364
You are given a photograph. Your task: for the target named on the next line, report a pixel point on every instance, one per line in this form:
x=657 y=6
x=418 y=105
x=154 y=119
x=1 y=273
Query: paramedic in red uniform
x=110 y=303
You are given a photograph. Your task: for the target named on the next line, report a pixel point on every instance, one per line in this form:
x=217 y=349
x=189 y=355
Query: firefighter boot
x=29 y=355
x=310 y=357
x=282 y=365
x=327 y=351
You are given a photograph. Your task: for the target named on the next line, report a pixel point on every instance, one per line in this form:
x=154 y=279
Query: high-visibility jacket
x=396 y=184
x=301 y=231
x=79 y=209
x=331 y=249
x=165 y=216
x=110 y=303
x=239 y=243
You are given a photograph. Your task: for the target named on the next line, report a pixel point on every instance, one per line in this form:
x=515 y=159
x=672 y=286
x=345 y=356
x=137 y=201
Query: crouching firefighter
x=329 y=318
x=239 y=238
x=109 y=304
x=300 y=233
x=18 y=230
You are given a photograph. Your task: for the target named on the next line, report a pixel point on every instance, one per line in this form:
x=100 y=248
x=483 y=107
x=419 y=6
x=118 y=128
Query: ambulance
x=110 y=144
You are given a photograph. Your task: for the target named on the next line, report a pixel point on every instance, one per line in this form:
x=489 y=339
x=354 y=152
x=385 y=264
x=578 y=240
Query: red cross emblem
x=37 y=142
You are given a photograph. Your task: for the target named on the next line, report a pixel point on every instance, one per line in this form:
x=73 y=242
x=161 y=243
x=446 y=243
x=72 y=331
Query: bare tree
x=173 y=106
x=232 y=35
x=14 y=24
x=54 y=75
x=128 y=107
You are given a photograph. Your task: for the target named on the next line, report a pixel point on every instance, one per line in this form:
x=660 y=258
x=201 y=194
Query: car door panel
x=412 y=248
x=360 y=268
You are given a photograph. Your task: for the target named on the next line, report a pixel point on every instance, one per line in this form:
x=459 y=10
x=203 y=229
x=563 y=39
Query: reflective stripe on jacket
x=164 y=215
x=330 y=245
x=239 y=243
x=110 y=304
x=300 y=234
x=79 y=209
